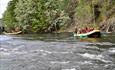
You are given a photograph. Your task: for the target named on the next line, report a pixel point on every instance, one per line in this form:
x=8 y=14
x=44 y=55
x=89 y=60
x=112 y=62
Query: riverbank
x=59 y=16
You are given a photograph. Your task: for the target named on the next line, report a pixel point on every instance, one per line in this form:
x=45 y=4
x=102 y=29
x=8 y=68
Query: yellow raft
x=14 y=33
x=91 y=34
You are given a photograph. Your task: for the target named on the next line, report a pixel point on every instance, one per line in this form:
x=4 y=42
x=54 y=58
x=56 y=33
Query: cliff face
x=108 y=25
x=99 y=14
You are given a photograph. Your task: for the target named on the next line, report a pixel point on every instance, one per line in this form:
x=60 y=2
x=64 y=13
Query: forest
x=48 y=16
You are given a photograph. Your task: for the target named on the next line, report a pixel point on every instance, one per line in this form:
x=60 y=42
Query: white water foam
x=19 y=53
x=3 y=49
x=69 y=69
x=59 y=62
x=95 y=57
x=4 y=54
x=51 y=52
x=112 y=50
x=105 y=43
x=92 y=56
x=85 y=62
x=17 y=48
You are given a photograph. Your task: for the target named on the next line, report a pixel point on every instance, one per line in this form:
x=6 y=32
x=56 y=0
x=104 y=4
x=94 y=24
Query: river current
x=56 y=52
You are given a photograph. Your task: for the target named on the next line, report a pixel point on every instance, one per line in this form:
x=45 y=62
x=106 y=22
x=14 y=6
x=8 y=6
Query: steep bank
x=59 y=16
x=95 y=13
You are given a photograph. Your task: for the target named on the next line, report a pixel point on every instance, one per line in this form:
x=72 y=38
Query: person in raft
x=85 y=30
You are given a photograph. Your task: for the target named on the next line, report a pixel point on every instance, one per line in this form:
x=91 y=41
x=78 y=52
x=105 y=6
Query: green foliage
x=35 y=16
x=9 y=16
x=93 y=12
x=84 y=13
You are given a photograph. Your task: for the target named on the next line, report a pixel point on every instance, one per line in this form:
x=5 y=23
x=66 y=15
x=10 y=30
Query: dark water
x=56 y=52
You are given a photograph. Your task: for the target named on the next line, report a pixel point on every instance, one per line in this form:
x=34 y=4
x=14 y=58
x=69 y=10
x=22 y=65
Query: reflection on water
x=56 y=52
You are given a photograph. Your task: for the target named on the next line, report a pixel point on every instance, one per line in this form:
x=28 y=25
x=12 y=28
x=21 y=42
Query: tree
x=39 y=15
x=9 y=17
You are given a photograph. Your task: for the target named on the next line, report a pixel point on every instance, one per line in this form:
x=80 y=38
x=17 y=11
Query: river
x=56 y=52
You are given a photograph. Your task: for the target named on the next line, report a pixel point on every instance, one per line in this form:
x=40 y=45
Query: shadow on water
x=106 y=41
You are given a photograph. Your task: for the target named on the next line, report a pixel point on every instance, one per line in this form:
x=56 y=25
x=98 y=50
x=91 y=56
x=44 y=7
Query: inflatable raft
x=91 y=34
x=15 y=33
